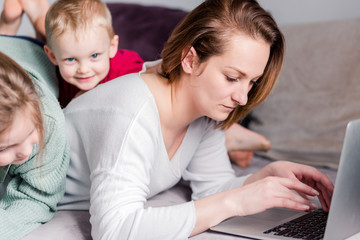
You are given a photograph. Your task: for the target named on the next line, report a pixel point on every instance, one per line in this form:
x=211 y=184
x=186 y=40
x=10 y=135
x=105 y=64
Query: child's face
x=83 y=61
x=16 y=143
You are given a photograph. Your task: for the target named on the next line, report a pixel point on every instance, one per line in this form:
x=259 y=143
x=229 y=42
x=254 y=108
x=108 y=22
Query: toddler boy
x=82 y=43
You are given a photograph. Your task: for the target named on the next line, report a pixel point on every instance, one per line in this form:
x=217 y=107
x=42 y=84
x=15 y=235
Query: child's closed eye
x=3 y=149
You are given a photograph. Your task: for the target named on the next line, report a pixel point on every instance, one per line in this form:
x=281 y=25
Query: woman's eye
x=231 y=79
x=253 y=83
x=95 y=55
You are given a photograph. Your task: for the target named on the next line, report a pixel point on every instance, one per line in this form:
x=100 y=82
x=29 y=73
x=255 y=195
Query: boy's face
x=83 y=61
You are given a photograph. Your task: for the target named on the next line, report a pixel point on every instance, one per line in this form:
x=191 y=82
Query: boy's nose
x=83 y=68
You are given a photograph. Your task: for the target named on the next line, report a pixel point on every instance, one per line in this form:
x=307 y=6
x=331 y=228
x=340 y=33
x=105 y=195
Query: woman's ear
x=189 y=61
x=114 y=46
x=50 y=54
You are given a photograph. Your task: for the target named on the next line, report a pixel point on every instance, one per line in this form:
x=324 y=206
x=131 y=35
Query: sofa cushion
x=144 y=29
x=317 y=93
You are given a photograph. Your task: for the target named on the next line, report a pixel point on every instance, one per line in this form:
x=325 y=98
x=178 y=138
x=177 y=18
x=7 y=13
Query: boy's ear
x=189 y=61
x=114 y=46
x=50 y=54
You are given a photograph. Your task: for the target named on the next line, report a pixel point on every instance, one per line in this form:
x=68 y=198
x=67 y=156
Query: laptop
x=343 y=219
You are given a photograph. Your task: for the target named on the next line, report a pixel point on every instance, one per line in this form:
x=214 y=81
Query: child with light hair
x=82 y=43
x=34 y=147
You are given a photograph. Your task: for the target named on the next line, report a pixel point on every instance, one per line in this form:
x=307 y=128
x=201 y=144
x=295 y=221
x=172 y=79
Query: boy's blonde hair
x=77 y=16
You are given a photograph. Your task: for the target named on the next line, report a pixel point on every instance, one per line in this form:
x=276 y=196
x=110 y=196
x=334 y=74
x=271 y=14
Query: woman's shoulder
x=124 y=100
x=126 y=91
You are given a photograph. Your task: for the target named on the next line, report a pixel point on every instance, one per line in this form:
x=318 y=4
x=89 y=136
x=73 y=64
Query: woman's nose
x=240 y=96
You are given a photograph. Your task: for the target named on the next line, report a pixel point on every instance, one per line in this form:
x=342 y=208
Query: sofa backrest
x=317 y=93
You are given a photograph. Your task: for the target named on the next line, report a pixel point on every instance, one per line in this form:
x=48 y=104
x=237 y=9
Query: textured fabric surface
x=316 y=95
x=21 y=49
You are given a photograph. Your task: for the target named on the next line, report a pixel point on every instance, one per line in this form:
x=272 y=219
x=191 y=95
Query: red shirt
x=124 y=62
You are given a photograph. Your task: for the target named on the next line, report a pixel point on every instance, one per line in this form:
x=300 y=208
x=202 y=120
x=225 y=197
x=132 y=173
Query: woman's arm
x=220 y=194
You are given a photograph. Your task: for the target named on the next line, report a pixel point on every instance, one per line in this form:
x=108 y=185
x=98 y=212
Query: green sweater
x=32 y=190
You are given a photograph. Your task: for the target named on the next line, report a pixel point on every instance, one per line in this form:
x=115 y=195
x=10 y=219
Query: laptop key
x=309 y=226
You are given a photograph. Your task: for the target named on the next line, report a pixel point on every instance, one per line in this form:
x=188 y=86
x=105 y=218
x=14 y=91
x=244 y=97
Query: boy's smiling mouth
x=84 y=79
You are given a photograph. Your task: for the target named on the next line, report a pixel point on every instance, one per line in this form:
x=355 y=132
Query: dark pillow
x=144 y=29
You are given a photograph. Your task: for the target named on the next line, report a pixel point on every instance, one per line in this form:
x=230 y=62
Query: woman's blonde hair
x=78 y=16
x=18 y=93
x=208 y=29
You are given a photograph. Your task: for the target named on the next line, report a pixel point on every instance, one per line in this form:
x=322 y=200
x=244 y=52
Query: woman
x=138 y=135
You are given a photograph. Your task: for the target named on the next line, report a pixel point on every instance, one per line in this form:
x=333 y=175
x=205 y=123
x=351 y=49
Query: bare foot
x=36 y=11
x=239 y=138
x=241 y=158
x=10 y=18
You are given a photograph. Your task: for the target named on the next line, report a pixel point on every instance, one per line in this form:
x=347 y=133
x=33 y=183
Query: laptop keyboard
x=309 y=226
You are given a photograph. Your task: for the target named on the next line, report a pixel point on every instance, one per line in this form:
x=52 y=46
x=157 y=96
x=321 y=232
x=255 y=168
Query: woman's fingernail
x=310 y=197
x=313 y=205
x=315 y=192
x=305 y=207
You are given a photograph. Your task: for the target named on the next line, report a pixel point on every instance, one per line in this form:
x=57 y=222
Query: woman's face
x=16 y=143
x=223 y=82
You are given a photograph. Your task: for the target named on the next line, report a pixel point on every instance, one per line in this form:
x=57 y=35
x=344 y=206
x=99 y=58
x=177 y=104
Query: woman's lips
x=228 y=108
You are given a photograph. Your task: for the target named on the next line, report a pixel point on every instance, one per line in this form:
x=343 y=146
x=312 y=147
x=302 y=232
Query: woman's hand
x=275 y=185
x=250 y=199
x=303 y=173
x=272 y=192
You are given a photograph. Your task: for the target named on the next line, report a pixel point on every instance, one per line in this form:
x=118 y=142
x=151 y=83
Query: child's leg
x=239 y=138
x=36 y=11
x=10 y=18
x=241 y=158
x=241 y=142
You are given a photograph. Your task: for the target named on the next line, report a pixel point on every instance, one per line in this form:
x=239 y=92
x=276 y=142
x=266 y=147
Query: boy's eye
x=69 y=59
x=231 y=79
x=95 y=55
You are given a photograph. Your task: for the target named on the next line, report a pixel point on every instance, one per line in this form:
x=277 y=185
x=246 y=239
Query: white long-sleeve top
x=119 y=160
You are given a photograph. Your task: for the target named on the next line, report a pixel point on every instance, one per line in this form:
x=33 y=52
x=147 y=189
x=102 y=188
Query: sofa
x=305 y=116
